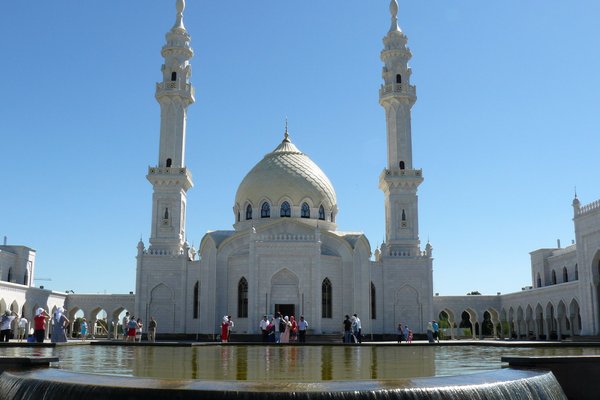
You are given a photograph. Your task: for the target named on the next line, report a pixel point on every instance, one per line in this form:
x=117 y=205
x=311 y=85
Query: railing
x=589 y=208
x=397 y=88
x=286 y=237
x=404 y=172
x=168 y=87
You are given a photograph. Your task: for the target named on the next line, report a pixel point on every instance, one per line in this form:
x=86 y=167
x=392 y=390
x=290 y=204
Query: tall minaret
x=399 y=181
x=170 y=178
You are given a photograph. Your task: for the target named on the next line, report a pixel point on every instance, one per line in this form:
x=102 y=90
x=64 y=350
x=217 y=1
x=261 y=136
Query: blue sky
x=505 y=125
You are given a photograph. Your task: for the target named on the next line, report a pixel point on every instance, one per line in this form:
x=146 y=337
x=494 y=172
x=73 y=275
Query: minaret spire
x=179 y=20
x=394 y=11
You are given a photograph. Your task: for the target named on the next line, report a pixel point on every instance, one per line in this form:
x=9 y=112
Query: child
x=409 y=336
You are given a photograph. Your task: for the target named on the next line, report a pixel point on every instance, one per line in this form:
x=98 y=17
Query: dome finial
x=286 y=135
x=180 y=5
x=394 y=11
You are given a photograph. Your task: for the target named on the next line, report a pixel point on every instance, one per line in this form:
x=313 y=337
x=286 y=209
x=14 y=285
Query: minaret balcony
x=394 y=89
x=400 y=178
x=179 y=176
x=175 y=88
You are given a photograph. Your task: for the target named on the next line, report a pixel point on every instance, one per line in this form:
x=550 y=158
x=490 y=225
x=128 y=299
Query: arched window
x=26 y=278
x=554 y=277
x=196 y=299
x=565 y=275
x=576 y=273
x=326 y=299
x=332 y=216
x=539 y=281
x=321 y=213
x=286 y=210
x=239 y=216
x=9 y=277
x=173 y=76
x=403 y=215
x=169 y=162
x=305 y=211
x=249 y=211
x=243 y=298
x=373 y=302
x=265 y=210
x=402 y=166
x=398 y=78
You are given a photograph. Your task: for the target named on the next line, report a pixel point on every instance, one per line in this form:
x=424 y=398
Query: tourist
x=358 y=331
x=59 y=323
x=39 y=325
x=401 y=336
x=277 y=325
x=125 y=326
x=152 y=330
x=409 y=338
x=225 y=329
x=293 y=330
x=83 y=329
x=230 y=329
x=131 y=329
x=347 y=329
x=436 y=331
x=285 y=335
x=23 y=328
x=302 y=327
x=430 y=332
x=5 y=323
x=264 y=325
x=138 y=331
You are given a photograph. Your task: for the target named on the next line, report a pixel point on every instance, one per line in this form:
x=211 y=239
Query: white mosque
x=286 y=254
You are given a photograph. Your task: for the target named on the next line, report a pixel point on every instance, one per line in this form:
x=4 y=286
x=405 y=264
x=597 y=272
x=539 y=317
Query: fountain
x=275 y=372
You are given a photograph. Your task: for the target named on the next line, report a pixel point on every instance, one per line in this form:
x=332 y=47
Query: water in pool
x=285 y=363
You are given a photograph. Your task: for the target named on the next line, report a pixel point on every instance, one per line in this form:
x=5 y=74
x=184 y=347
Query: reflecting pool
x=286 y=363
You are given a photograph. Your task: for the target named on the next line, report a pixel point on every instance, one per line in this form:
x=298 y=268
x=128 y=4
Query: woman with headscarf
x=59 y=323
x=293 y=329
x=285 y=335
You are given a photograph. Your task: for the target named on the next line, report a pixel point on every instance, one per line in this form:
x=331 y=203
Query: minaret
x=170 y=178
x=399 y=180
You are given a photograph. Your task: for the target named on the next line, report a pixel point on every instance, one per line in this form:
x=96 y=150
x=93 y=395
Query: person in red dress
x=225 y=325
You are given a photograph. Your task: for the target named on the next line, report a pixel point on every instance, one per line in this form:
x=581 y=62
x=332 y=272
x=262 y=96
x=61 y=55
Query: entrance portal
x=285 y=309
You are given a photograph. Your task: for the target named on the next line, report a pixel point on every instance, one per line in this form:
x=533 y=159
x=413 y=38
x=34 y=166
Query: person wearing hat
x=5 y=322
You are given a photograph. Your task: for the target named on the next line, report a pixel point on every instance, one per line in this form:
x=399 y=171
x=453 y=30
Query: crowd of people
x=283 y=329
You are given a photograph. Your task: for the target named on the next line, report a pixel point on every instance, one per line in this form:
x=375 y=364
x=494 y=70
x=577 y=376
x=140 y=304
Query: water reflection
x=286 y=363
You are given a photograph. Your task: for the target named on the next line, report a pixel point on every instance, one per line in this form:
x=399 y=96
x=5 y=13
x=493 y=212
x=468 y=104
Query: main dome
x=286 y=175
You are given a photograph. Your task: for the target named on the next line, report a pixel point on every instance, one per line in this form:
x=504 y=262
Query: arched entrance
x=285 y=291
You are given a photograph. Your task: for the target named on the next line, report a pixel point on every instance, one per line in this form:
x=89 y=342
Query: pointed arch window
x=565 y=275
x=539 y=281
x=26 y=278
x=238 y=216
x=305 y=211
x=576 y=273
x=326 y=299
x=286 y=210
x=249 y=211
x=9 y=277
x=243 y=298
x=265 y=210
x=196 y=299
x=169 y=162
x=398 y=78
x=321 y=213
x=402 y=165
x=373 y=302
x=553 y=277
x=332 y=216
x=173 y=76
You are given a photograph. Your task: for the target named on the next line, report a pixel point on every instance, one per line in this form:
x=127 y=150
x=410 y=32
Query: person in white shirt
x=263 y=325
x=358 y=327
x=302 y=327
x=23 y=329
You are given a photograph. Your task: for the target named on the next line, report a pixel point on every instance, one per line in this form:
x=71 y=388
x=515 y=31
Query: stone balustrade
x=394 y=88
